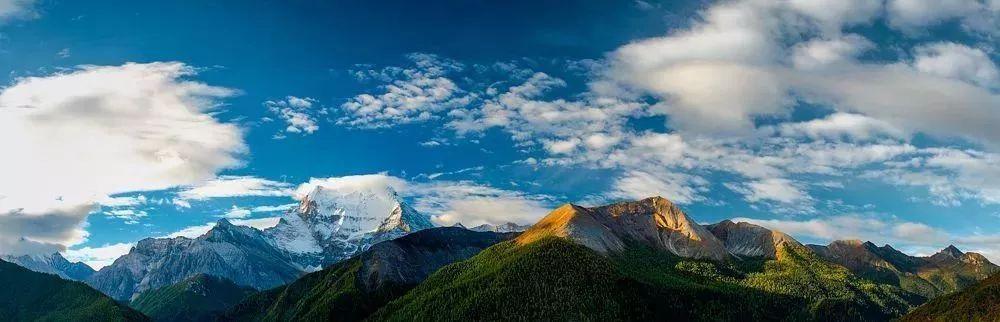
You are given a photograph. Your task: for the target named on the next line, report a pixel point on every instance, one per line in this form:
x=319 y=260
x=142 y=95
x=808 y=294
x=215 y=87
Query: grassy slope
x=980 y=302
x=32 y=296
x=554 y=279
x=328 y=295
x=198 y=298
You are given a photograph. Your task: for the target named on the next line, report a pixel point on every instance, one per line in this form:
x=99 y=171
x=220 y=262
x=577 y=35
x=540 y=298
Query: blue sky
x=826 y=119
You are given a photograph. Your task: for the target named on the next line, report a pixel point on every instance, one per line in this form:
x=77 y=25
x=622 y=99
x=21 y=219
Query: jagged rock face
x=855 y=255
x=749 y=240
x=655 y=222
x=240 y=254
x=951 y=258
x=53 y=263
x=503 y=228
x=329 y=225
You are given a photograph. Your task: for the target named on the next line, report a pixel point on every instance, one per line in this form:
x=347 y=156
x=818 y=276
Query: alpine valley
x=368 y=255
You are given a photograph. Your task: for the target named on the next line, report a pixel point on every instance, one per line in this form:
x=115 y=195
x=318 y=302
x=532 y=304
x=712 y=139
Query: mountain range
x=945 y=272
x=53 y=263
x=327 y=227
x=646 y=260
x=366 y=255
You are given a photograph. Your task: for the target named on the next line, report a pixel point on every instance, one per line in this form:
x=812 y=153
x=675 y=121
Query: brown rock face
x=655 y=222
x=746 y=239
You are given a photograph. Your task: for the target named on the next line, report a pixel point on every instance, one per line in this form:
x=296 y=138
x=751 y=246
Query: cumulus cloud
x=560 y=125
x=23 y=232
x=950 y=175
x=350 y=184
x=298 y=113
x=915 y=15
x=676 y=187
x=728 y=85
x=237 y=213
x=103 y=130
x=408 y=95
x=842 y=126
x=773 y=189
x=957 y=61
x=98 y=257
x=235 y=186
x=826 y=53
x=725 y=71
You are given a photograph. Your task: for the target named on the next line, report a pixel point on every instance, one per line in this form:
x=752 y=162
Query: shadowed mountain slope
x=26 y=295
x=353 y=289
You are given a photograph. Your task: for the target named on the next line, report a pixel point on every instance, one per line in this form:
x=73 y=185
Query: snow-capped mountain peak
x=332 y=224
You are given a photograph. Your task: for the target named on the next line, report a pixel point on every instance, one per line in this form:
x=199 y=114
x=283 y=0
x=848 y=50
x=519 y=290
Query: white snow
x=344 y=217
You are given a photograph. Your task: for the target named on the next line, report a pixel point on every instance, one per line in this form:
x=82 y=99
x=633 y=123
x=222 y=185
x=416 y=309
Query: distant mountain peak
x=654 y=221
x=746 y=239
x=508 y=227
x=848 y=242
x=952 y=251
x=52 y=263
x=333 y=224
x=223 y=222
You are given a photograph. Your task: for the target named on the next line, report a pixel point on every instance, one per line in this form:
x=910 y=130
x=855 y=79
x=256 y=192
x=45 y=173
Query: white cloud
x=278 y=208
x=123 y=201
x=198 y=230
x=561 y=126
x=722 y=73
x=235 y=186
x=742 y=64
x=298 y=113
x=915 y=15
x=191 y=231
x=11 y=9
x=130 y=216
x=237 y=213
x=773 y=189
x=23 y=232
x=676 y=187
x=409 y=95
x=474 y=211
x=950 y=175
x=349 y=184
x=826 y=53
x=957 y=61
x=832 y=14
x=259 y=223
x=842 y=126
x=98 y=257
x=104 y=130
